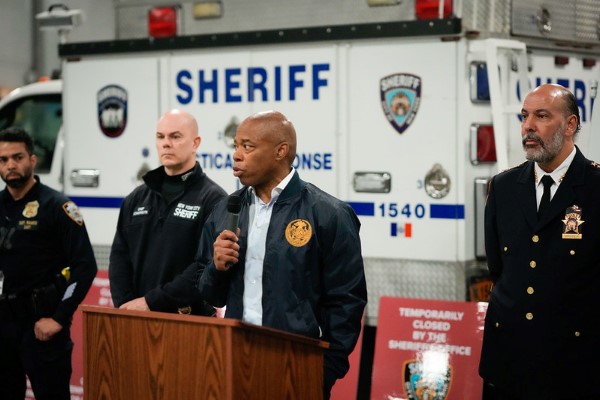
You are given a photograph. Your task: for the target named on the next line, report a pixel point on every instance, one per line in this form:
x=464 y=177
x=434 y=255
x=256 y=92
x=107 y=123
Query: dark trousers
x=490 y=392
x=47 y=364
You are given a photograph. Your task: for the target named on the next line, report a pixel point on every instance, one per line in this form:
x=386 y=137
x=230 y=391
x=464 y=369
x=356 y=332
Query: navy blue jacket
x=541 y=339
x=313 y=273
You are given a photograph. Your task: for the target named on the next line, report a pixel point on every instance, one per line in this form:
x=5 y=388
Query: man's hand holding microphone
x=226 y=248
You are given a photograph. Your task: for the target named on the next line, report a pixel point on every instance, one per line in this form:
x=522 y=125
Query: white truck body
x=335 y=86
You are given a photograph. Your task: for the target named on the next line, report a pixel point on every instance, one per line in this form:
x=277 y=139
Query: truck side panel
x=117 y=144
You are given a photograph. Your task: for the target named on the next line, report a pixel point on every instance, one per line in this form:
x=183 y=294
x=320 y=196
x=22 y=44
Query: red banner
x=347 y=387
x=427 y=349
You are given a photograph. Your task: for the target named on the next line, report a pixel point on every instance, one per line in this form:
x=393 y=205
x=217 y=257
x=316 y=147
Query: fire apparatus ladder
x=502 y=57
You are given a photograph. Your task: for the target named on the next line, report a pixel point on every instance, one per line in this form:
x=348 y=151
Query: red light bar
x=430 y=9
x=561 y=60
x=589 y=63
x=486 y=147
x=162 y=22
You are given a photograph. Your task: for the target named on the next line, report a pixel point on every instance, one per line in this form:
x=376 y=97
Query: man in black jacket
x=542 y=227
x=295 y=263
x=47 y=266
x=159 y=226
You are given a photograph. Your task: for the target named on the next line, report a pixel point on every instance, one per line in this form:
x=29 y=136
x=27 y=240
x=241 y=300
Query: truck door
x=402 y=123
x=111 y=110
x=405 y=173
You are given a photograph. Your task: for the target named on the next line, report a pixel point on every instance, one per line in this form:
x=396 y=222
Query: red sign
x=427 y=349
x=347 y=387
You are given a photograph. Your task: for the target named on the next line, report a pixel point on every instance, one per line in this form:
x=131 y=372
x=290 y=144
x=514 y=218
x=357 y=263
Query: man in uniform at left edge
x=47 y=266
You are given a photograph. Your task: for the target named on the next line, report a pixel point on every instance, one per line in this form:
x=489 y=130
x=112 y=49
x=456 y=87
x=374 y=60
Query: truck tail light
x=483 y=147
x=432 y=9
x=561 y=60
x=162 y=22
x=589 y=63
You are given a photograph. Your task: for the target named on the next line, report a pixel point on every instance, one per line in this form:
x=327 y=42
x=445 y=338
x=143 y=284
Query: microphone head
x=234 y=204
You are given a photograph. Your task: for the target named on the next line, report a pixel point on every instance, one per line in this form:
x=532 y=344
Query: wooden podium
x=150 y=355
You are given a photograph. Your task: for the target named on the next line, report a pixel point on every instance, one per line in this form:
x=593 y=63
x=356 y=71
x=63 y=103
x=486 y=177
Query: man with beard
x=46 y=268
x=542 y=239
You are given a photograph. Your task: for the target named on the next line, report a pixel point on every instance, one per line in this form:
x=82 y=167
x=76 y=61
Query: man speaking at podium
x=295 y=262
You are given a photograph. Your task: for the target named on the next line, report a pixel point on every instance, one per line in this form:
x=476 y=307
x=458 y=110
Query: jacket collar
x=155 y=177
x=292 y=189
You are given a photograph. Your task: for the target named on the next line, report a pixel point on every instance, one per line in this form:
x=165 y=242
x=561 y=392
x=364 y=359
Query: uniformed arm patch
x=72 y=211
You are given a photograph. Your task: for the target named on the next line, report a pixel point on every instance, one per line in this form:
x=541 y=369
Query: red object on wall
x=347 y=388
x=427 y=349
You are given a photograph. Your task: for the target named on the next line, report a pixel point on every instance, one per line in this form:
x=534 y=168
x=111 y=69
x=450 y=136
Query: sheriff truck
x=403 y=108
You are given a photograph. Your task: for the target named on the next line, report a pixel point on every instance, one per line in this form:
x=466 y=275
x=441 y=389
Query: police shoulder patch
x=72 y=211
x=595 y=164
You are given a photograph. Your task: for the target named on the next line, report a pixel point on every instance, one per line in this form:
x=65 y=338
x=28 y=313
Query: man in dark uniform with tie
x=542 y=227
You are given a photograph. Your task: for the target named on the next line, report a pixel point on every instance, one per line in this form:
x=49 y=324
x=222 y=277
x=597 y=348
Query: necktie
x=547 y=181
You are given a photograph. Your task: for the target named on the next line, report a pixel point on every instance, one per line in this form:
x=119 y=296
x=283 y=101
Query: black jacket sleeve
x=492 y=246
x=120 y=271
x=81 y=261
x=212 y=284
x=344 y=293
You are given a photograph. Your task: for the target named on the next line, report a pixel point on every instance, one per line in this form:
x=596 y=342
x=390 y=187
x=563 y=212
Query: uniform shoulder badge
x=595 y=164
x=298 y=232
x=72 y=211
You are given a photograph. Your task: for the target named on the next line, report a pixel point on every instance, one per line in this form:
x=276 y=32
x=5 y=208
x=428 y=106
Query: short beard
x=18 y=182
x=548 y=151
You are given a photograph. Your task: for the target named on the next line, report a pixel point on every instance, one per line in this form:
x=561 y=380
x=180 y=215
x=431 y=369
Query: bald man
x=542 y=238
x=159 y=226
x=295 y=263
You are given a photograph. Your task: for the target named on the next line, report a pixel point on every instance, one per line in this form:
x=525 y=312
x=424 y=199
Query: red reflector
x=589 y=62
x=430 y=9
x=486 y=147
x=561 y=60
x=162 y=22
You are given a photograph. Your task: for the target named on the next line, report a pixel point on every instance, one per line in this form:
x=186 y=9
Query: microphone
x=234 y=205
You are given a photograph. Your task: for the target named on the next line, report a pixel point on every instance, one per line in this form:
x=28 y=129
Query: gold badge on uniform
x=571 y=223
x=31 y=209
x=298 y=232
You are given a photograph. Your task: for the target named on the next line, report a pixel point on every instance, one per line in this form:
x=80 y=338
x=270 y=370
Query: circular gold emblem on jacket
x=298 y=232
